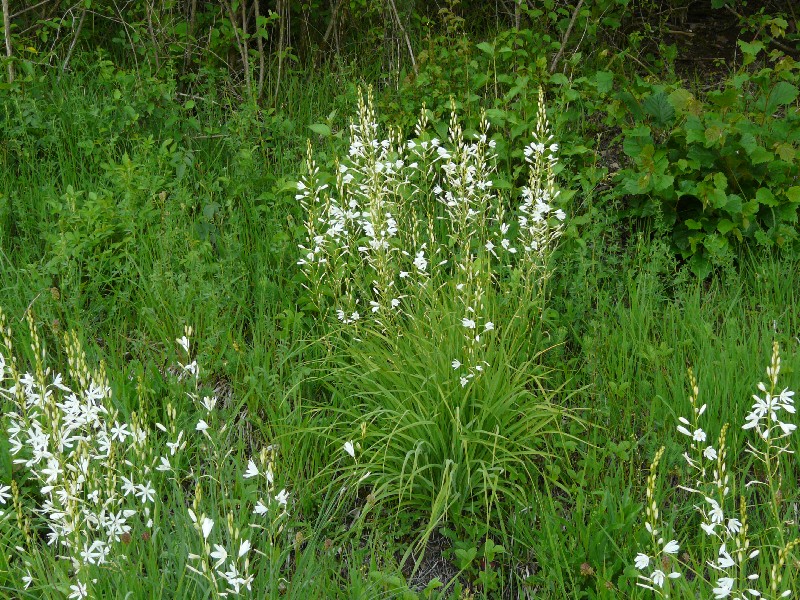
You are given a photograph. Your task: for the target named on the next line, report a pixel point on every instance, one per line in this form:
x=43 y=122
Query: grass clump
x=410 y=259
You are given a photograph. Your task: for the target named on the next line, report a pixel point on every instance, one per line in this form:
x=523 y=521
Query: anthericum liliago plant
x=747 y=533
x=96 y=500
x=430 y=282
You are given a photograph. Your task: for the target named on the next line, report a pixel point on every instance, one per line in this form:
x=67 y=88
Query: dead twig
x=7 y=35
x=73 y=43
x=565 y=39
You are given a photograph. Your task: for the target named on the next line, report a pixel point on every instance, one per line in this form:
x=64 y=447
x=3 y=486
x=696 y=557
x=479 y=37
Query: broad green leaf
x=725 y=226
x=683 y=100
x=700 y=266
x=766 y=197
x=487 y=48
x=793 y=194
x=750 y=50
x=783 y=93
x=761 y=155
x=604 y=81
x=658 y=107
x=320 y=129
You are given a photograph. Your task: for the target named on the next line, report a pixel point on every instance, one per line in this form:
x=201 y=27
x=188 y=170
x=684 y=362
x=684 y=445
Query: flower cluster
x=401 y=220
x=731 y=571
x=81 y=455
x=99 y=478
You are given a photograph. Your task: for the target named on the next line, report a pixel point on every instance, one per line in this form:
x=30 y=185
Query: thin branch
x=281 y=43
x=405 y=34
x=565 y=39
x=189 y=36
x=7 y=35
x=260 y=44
x=72 y=43
x=152 y=34
x=241 y=45
x=26 y=9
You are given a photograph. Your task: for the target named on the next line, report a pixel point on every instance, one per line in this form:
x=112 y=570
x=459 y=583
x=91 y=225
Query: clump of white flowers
x=94 y=481
x=732 y=571
x=403 y=219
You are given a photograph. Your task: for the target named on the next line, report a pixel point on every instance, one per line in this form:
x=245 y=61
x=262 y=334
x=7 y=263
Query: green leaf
x=725 y=226
x=693 y=225
x=559 y=79
x=750 y=50
x=766 y=197
x=793 y=194
x=658 y=107
x=700 y=266
x=320 y=129
x=748 y=142
x=761 y=155
x=683 y=100
x=783 y=93
x=604 y=81
x=487 y=48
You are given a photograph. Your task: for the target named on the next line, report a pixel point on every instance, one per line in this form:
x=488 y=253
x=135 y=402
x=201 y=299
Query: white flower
x=282 y=497
x=560 y=215
x=209 y=403
x=464 y=381
x=724 y=587
x=201 y=425
x=716 y=511
x=488 y=326
x=348 y=447
x=206 y=527
x=708 y=528
x=642 y=561
x=120 y=432
x=252 y=470
x=456 y=364
x=260 y=508
x=4 y=493
x=164 y=466
x=734 y=525
x=78 y=591
x=699 y=435
x=183 y=341
x=147 y=492
x=658 y=577
x=220 y=555
x=672 y=547
x=468 y=323
x=710 y=453
x=244 y=548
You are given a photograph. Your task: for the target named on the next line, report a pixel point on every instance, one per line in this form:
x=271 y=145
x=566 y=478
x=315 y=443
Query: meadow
x=483 y=328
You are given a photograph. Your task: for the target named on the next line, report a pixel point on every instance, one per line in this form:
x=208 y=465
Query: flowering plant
x=733 y=570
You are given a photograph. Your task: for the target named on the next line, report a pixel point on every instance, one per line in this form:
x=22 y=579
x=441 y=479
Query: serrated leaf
x=604 y=81
x=683 y=100
x=783 y=93
x=766 y=197
x=793 y=194
x=725 y=226
x=748 y=142
x=658 y=107
x=700 y=266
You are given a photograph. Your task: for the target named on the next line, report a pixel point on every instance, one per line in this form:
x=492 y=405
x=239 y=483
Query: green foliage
x=717 y=171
